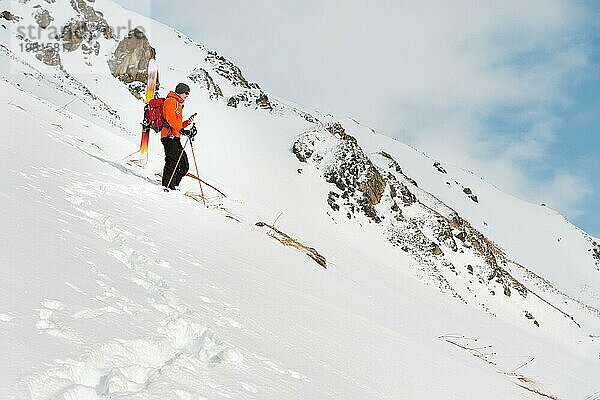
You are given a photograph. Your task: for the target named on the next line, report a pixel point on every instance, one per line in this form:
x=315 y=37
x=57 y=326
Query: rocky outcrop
x=595 y=250
x=130 y=61
x=43 y=18
x=442 y=232
x=249 y=94
x=86 y=29
x=439 y=167
x=228 y=70
x=263 y=102
x=469 y=193
x=49 y=56
x=235 y=101
x=94 y=19
x=206 y=82
x=490 y=252
x=7 y=15
x=448 y=251
x=394 y=164
x=399 y=191
x=73 y=34
x=249 y=98
x=360 y=184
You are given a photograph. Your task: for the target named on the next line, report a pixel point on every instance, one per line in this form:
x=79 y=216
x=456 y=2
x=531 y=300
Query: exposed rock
x=233 y=102
x=130 y=61
x=303 y=149
x=331 y=200
x=203 y=78
x=309 y=118
x=228 y=70
x=137 y=89
x=396 y=187
x=48 y=55
x=462 y=236
x=407 y=235
x=528 y=315
x=394 y=164
x=95 y=48
x=250 y=94
x=7 y=15
x=348 y=168
x=88 y=27
x=237 y=99
x=43 y=18
x=442 y=231
x=73 y=34
x=470 y=194
x=596 y=254
x=436 y=250
x=94 y=19
x=263 y=102
x=490 y=253
x=356 y=167
x=439 y=167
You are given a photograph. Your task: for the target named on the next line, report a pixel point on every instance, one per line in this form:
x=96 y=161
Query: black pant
x=173 y=150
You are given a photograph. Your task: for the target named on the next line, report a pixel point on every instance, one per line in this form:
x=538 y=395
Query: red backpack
x=153 y=114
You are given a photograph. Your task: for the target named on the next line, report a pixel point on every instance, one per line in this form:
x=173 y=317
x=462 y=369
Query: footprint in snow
x=250 y=388
x=223 y=321
x=53 y=305
x=6 y=317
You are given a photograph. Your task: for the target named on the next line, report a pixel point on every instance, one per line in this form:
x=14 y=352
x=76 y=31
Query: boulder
x=130 y=61
x=43 y=18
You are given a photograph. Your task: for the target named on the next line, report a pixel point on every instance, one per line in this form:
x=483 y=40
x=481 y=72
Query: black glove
x=189 y=133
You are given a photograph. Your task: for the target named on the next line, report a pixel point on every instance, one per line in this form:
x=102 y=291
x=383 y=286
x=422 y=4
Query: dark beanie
x=182 y=88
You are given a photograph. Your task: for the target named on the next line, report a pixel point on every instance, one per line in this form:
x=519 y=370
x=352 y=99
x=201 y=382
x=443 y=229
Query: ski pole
x=197 y=173
x=177 y=165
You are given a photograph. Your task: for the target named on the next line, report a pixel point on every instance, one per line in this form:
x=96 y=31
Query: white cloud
x=566 y=189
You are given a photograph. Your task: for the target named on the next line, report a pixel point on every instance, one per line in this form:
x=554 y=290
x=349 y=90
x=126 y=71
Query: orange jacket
x=173 y=115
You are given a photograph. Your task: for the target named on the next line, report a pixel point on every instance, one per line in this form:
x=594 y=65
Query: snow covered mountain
x=436 y=284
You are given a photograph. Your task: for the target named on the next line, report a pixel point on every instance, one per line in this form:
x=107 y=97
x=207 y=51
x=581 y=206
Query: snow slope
x=118 y=290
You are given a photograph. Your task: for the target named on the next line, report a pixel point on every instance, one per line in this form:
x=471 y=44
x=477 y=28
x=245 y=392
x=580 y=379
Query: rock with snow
x=129 y=63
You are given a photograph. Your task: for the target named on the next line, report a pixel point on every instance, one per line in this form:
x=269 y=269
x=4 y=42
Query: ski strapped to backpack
x=141 y=156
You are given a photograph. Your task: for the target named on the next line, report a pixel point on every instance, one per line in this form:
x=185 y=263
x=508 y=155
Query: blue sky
x=506 y=89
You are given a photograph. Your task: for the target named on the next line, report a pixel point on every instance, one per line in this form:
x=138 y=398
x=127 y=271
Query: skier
x=170 y=137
